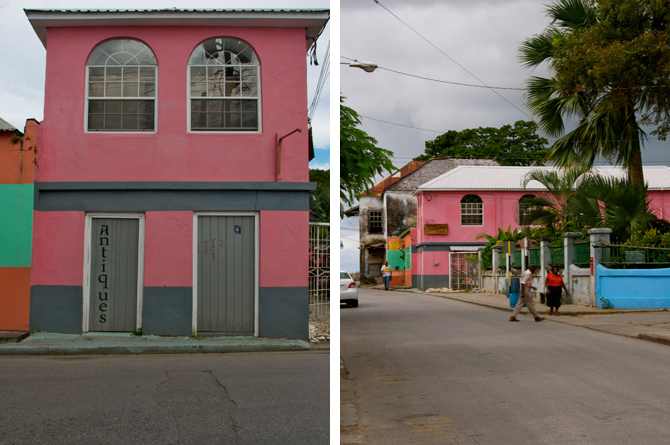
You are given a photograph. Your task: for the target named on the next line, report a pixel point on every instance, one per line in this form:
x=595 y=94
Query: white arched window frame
x=121 y=85
x=224 y=87
x=472 y=211
x=524 y=209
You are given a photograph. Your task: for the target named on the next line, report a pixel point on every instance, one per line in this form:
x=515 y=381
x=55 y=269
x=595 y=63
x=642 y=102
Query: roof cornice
x=313 y=20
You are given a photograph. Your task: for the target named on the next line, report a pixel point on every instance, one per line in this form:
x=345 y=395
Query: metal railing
x=582 y=254
x=556 y=257
x=622 y=256
x=534 y=256
x=464 y=270
x=319 y=270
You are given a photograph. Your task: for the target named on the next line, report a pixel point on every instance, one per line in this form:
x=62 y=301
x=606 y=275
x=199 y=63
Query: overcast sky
x=24 y=58
x=483 y=36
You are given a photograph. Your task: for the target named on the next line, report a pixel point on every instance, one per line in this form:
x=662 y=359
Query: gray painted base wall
x=167 y=310
x=429 y=281
x=56 y=309
x=284 y=312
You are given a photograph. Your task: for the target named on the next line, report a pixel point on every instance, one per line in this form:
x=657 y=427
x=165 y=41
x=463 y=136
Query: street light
x=368 y=67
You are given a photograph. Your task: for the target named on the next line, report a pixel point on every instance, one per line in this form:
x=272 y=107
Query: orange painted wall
x=14 y=298
x=17 y=159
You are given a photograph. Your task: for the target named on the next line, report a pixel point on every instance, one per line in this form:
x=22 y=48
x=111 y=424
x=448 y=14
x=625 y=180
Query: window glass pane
x=215 y=88
x=232 y=120
x=198 y=89
x=112 y=122
x=214 y=120
x=96 y=106
x=129 y=122
x=146 y=122
x=130 y=74
x=122 y=51
x=198 y=73
x=130 y=89
x=113 y=89
x=198 y=105
x=95 y=121
x=96 y=74
x=147 y=89
x=130 y=107
x=250 y=120
x=249 y=105
x=113 y=73
x=96 y=89
x=198 y=120
x=112 y=106
x=147 y=74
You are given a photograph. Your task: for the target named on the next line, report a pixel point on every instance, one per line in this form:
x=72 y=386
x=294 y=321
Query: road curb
x=227 y=347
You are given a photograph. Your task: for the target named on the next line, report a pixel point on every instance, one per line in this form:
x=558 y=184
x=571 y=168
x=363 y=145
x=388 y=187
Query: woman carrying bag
x=552 y=285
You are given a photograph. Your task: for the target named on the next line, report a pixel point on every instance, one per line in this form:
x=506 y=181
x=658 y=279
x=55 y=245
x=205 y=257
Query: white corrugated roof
x=511 y=178
x=6 y=126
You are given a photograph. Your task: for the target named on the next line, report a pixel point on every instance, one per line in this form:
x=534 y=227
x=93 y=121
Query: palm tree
x=553 y=207
x=614 y=203
x=606 y=114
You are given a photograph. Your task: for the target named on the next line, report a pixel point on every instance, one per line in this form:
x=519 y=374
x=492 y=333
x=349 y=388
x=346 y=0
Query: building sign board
x=395 y=244
x=436 y=229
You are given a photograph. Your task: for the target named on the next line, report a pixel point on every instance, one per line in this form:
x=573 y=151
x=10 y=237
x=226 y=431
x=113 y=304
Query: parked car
x=348 y=290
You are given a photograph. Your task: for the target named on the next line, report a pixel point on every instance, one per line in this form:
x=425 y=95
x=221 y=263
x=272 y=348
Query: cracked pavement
x=242 y=398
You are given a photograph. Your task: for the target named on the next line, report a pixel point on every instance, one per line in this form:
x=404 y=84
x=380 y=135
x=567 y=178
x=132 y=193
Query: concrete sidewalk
x=650 y=325
x=43 y=343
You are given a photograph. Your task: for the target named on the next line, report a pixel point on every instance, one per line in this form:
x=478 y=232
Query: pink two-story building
x=171 y=187
x=454 y=209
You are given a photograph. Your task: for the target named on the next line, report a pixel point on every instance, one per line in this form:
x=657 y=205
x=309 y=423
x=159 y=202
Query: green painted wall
x=16 y=224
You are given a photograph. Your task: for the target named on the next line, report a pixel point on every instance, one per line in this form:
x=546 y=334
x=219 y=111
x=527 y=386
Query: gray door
x=226 y=274
x=114 y=273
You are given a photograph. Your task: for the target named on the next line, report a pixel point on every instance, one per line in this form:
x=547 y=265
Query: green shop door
x=226 y=274
x=114 y=274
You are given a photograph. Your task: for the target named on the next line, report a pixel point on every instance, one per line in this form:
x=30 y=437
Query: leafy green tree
x=319 y=201
x=609 y=60
x=360 y=158
x=509 y=145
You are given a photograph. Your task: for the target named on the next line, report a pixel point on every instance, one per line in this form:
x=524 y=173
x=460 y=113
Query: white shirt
x=386 y=271
x=527 y=278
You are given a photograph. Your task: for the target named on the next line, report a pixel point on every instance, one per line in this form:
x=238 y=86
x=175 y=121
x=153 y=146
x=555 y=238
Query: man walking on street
x=526 y=296
x=386 y=273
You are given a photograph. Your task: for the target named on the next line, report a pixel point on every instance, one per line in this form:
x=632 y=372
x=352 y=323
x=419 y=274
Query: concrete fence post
x=596 y=237
x=496 y=264
x=569 y=258
x=545 y=256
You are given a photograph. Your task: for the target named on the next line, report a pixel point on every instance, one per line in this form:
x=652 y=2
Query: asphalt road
x=428 y=370
x=246 y=398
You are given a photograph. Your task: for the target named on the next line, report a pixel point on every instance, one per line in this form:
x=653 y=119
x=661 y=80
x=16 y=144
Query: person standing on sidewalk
x=386 y=273
x=526 y=296
x=552 y=286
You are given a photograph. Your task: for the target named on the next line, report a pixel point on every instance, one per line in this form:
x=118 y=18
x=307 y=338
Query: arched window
x=121 y=93
x=525 y=207
x=224 y=86
x=472 y=211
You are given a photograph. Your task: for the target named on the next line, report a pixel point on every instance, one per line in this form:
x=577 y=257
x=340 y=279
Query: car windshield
x=344 y=276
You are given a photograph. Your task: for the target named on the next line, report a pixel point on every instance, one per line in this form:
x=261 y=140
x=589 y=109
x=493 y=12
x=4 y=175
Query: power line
x=323 y=76
x=447 y=56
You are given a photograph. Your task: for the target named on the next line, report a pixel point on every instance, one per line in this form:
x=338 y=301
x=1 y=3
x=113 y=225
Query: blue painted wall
x=634 y=288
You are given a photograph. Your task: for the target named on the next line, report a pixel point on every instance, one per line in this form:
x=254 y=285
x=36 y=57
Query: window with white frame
x=375 y=221
x=121 y=93
x=526 y=206
x=224 y=81
x=472 y=211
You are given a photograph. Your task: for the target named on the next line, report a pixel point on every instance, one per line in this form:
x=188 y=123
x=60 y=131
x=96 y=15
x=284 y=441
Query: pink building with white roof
x=166 y=198
x=472 y=200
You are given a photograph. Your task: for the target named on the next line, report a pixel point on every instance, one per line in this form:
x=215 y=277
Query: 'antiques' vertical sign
x=103 y=295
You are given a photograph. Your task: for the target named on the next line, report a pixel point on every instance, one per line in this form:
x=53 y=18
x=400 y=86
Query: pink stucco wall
x=426 y=263
x=169 y=249
x=284 y=249
x=500 y=209
x=58 y=249
x=445 y=208
x=67 y=153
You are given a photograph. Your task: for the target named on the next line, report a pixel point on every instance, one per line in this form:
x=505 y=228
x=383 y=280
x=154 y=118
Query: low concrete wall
x=634 y=288
x=580 y=287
